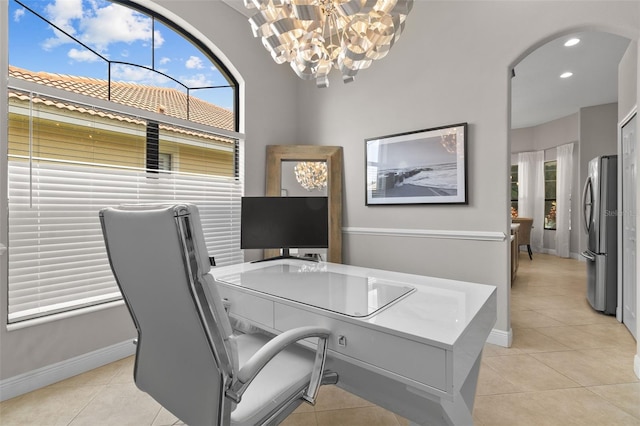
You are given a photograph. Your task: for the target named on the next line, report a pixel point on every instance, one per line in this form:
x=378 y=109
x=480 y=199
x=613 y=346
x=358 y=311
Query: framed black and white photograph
x=421 y=167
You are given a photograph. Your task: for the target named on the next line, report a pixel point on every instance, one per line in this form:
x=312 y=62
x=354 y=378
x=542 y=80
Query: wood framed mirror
x=332 y=156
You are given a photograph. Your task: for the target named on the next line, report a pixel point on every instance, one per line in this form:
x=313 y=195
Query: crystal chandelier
x=316 y=35
x=311 y=174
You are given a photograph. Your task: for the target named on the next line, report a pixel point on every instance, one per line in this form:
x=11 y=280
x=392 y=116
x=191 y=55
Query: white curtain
x=564 y=174
x=531 y=193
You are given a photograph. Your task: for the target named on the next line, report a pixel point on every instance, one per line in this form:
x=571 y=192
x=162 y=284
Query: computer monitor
x=284 y=223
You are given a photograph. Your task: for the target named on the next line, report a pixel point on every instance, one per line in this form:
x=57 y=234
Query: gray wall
x=270 y=99
x=451 y=65
x=547 y=137
x=598 y=136
x=430 y=80
x=594 y=131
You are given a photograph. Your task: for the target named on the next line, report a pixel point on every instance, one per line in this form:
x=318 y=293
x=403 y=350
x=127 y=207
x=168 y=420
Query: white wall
x=451 y=65
x=636 y=362
x=628 y=95
x=627 y=81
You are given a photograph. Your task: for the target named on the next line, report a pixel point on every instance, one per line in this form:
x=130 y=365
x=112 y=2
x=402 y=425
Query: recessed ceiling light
x=572 y=42
x=566 y=74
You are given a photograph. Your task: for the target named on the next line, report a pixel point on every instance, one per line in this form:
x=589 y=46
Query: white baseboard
x=636 y=365
x=553 y=252
x=500 y=338
x=36 y=379
x=578 y=256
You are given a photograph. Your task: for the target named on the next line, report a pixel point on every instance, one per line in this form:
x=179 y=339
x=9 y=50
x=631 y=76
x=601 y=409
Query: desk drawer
x=422 y=363
x=249 y=306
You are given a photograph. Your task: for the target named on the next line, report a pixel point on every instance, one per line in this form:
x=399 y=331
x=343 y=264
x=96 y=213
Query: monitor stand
x=286 y=255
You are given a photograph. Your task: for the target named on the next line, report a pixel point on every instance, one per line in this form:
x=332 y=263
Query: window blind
x=68 y=169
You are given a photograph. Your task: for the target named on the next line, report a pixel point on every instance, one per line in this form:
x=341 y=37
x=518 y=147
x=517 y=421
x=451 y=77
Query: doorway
x=627 y=247
x=552 y=107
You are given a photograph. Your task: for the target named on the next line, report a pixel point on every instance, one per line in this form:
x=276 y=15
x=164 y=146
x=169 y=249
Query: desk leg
x=460 y=412
x=415 y=405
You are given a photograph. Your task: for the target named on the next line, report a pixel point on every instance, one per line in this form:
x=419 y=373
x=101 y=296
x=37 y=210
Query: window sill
x=63 y=315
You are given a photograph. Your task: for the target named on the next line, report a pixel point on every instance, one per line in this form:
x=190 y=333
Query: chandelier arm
x=358 y=33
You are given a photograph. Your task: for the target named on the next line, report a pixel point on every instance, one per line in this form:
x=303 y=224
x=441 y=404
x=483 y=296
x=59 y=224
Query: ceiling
x=238 y=5
x=538 y=93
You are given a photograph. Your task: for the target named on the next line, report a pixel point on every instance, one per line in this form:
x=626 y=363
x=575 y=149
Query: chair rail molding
x=428 y=233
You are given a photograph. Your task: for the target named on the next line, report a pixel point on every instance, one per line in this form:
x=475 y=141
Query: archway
x=586 y=146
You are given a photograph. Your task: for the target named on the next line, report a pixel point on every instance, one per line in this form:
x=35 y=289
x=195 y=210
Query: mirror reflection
x=281 y=163
x=304 y=178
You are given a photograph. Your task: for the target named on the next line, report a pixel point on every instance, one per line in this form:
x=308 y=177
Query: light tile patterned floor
x=568 y=366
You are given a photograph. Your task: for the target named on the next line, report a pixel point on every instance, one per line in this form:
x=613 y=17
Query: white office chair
x=187 y=357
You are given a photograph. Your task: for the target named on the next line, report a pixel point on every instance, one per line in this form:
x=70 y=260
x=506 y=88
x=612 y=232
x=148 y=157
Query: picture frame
x=419 y=167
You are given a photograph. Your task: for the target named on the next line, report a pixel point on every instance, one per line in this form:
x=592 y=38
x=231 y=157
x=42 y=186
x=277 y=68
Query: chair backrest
x=524 y=233
x=185 y=354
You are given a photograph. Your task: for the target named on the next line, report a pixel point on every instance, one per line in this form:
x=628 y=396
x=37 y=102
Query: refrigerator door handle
x=587 y=203
x=588 y=255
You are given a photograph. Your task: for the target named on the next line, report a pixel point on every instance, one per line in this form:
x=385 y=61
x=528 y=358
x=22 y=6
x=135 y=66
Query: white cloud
x=59 y=39
x=158 y=39
x=164 y=60
x=196 y=80
x=18 y=15
x=83 y=55
x=114 y=23
x=139 y=75
x=194 y=63
x=97 y=26
x=62 y=12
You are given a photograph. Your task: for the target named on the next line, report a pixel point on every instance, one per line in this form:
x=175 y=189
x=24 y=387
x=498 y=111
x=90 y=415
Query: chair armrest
x=253 y=366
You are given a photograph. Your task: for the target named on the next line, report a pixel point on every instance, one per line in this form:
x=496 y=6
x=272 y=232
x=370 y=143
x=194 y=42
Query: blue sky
x=118 y=34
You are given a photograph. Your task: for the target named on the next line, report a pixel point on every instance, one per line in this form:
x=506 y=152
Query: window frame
x=155 y=16
x=149 y=116
x=514 y=172
x=200 y=45
x=553 y=200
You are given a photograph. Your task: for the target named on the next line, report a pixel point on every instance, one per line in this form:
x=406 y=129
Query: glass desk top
x=313 y=285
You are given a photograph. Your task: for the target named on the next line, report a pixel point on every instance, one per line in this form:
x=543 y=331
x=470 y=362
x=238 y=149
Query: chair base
x=329 y=378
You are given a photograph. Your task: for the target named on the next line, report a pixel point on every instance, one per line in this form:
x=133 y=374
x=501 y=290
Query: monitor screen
x=284 y=222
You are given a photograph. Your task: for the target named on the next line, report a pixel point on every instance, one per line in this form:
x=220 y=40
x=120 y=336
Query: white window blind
x=57 y=259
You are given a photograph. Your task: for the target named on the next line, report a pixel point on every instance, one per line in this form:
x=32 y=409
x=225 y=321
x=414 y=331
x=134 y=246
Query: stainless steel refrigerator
x=600 y=208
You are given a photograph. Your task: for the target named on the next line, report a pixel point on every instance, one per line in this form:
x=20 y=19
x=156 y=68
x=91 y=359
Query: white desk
x=409 y=343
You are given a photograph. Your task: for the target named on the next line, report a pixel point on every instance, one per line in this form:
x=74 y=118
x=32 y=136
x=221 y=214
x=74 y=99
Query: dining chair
x=188 y=357
x=524 y=233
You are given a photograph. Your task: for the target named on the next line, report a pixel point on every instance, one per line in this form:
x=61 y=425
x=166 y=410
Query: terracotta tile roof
x=151 y=98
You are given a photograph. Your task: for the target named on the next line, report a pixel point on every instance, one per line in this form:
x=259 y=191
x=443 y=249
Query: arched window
x=109 y=104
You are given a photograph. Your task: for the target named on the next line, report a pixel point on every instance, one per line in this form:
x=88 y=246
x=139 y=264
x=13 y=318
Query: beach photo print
x=421 y=167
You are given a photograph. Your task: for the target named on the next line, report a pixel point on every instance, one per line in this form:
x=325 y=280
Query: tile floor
x=568 y=366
